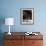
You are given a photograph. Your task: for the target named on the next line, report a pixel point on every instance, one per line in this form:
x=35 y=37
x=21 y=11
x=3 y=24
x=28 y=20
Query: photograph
x=27 y=15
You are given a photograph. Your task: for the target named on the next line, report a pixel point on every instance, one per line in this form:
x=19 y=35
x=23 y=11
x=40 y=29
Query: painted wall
x=11 y=8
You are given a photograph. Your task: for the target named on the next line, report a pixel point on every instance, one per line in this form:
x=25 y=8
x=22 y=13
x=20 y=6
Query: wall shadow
x=2 y=21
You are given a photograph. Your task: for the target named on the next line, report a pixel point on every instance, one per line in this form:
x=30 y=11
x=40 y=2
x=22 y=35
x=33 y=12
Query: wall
x=11 y=8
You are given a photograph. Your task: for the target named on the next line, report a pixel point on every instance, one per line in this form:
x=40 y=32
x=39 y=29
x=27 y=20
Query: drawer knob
x=33 y=42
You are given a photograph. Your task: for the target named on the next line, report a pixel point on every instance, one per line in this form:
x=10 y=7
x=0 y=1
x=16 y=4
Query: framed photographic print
x=27 y=15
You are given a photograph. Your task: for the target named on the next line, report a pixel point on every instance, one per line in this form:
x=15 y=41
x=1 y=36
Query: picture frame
x=27 y=15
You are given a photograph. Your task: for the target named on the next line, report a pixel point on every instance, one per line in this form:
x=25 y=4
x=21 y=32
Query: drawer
x=37 y=43
x=16 y=37
x=33 y=43
x=33 y=37
x=9 y=43
x=13 y=43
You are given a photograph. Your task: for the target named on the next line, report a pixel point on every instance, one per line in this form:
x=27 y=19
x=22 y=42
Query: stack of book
x=30 y=33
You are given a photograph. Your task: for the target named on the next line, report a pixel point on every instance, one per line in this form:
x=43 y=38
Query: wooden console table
x=20 y=39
